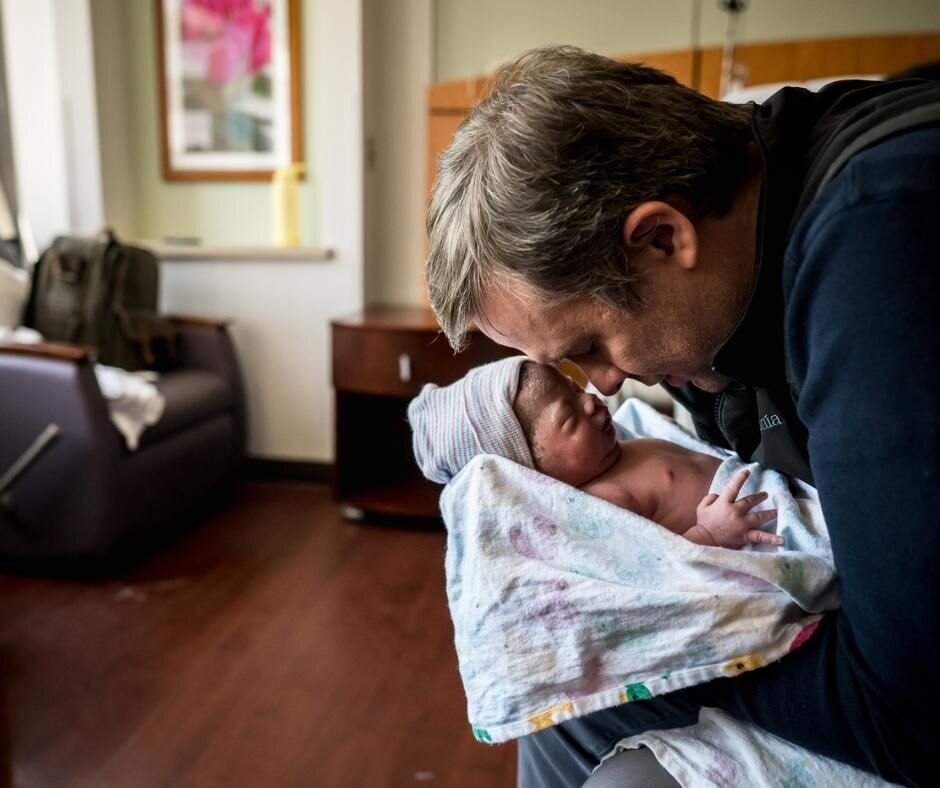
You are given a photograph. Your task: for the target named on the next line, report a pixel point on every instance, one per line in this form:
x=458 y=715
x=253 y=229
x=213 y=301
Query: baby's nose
x=591 y=404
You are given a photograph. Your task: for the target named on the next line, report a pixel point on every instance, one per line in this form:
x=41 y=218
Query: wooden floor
x=275 y=646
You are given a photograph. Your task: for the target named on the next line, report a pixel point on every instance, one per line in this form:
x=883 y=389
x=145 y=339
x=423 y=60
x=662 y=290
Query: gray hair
x=541 y=176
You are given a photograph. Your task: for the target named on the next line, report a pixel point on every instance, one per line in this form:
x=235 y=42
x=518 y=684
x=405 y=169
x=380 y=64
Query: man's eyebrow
x=570 y=350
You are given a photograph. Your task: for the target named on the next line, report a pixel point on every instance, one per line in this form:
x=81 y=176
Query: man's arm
x=863 y=332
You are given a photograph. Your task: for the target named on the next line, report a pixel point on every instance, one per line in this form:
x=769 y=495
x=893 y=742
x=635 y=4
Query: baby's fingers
x=761 y=517
x=730 y=493
x=750 y=501
x=708 y=500
x=762 y=537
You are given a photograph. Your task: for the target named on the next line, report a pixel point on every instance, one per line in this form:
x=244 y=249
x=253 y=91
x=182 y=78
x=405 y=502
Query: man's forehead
x=511 y=313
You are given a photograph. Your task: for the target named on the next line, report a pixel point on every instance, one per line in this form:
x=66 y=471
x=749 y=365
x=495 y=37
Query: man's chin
x=711 y=382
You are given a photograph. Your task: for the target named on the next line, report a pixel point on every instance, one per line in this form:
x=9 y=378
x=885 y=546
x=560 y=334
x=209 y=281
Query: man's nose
x=606 y=378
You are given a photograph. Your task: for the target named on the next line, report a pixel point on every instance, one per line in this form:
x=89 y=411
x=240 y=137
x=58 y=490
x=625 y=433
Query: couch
x=88 y=497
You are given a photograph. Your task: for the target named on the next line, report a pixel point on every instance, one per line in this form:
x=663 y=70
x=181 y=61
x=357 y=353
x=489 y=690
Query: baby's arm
x=727 y=521
x=721 y=520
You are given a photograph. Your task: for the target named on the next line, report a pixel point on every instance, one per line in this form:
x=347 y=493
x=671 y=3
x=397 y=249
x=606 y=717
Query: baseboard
x=257 y=469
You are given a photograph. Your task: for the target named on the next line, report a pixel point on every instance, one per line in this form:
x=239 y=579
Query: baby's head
x=515 y=408
x=569 y=432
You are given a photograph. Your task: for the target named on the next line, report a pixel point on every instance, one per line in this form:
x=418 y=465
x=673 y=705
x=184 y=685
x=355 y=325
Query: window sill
x=184 y=253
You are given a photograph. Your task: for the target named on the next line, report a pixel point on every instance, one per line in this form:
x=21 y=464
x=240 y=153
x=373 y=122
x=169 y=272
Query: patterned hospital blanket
x=564 y=604
x=722 y=751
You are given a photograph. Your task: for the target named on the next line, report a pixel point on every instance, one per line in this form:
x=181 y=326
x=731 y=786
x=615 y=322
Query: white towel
x=134 y=402
x=564 y=604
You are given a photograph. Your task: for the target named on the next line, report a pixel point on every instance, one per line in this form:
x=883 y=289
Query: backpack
x=102 y=293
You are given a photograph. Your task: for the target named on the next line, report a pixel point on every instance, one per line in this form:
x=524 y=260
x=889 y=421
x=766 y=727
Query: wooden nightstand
x=381 y=359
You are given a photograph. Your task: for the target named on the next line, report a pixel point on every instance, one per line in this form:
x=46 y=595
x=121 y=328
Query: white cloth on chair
x=134 y=402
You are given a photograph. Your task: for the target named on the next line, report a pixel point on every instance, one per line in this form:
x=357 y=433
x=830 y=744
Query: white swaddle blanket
x=564 y=604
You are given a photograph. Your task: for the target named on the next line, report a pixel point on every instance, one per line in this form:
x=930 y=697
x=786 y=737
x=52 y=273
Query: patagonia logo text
x=769 y=421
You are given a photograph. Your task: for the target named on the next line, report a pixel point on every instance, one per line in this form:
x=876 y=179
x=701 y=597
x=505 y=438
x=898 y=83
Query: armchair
x=87 y=496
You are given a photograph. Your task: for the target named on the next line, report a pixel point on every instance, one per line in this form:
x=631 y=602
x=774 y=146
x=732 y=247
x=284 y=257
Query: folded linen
x=564 y=603
x=134 y=402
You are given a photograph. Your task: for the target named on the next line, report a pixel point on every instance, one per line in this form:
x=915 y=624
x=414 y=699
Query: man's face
x=671 y=340
x=573 y=430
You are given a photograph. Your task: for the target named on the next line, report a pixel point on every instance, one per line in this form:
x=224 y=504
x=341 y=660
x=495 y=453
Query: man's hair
x=539 y=179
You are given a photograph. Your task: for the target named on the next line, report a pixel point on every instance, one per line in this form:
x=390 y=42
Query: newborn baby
x=532 y=414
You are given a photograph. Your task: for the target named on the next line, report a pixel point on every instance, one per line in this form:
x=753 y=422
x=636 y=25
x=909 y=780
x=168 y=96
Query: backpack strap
x=923 y=116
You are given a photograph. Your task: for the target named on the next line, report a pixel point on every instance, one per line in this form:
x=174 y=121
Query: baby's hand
x=729 y=521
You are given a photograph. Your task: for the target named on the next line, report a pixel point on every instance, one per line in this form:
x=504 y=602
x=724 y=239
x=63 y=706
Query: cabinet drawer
x=399 y=362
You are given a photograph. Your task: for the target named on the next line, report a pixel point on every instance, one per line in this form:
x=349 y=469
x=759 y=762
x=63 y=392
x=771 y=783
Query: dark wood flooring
x=277 y=645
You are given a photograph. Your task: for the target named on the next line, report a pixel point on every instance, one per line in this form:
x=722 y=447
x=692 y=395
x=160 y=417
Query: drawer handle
x=404 y=368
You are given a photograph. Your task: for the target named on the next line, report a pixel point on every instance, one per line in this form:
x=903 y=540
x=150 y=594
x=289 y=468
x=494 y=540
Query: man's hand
x=727 y=521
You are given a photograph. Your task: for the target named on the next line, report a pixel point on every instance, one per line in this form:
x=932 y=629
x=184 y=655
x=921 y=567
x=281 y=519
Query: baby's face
x=573 y=435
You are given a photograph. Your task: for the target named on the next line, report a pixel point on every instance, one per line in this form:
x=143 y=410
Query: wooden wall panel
x=784 y=61
x=776 y=61
x=460 y=94
x=681 y=63
x=441 y=128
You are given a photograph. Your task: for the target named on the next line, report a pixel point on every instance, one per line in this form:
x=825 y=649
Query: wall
x=230 y=213
x=112 y=88
x=73 y=39
x=280 y=310
x=771 y=20
x=397 y=72
x=35 y=92
x=473 y=36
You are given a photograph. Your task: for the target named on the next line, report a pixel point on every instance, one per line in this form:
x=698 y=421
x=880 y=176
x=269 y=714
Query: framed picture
x=229 y=84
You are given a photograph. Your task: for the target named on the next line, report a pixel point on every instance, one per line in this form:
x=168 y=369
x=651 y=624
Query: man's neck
x=730 y=241
x=738 y=226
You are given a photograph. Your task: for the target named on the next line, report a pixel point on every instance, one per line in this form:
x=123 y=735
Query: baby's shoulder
x=614 y=486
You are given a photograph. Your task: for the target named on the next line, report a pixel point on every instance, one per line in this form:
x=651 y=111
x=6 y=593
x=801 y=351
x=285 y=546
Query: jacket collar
x=753 y=354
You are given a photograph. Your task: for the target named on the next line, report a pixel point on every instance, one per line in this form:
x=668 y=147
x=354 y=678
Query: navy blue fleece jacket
x=861 y=284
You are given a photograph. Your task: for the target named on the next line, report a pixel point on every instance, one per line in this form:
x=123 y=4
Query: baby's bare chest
x=667 y=481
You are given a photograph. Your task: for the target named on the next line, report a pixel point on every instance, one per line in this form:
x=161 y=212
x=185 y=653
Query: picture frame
x=229 y=84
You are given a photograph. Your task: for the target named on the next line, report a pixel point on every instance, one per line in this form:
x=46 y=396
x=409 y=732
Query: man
x=776 y=268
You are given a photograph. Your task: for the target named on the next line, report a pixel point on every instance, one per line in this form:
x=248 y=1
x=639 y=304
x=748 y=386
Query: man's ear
x=663 y=231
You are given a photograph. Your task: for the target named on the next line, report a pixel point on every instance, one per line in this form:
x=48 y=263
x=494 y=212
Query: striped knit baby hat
x=455 y=423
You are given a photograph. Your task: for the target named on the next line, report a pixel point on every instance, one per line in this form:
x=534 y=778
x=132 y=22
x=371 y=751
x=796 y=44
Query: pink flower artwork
x=236 y=35
x=230 y=86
